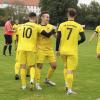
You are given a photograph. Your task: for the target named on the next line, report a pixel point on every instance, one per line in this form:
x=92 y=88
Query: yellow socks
x=17 y=68
x=38 y=75
x=69 y=81
x=50 y=72
x=65 y=75
x=23 y=76
x=28 y=71
x=32 y=73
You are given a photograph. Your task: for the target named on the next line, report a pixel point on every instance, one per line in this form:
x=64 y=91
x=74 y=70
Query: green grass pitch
x=86 y=80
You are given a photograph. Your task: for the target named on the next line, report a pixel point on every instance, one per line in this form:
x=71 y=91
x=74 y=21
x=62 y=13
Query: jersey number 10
x=27 y=32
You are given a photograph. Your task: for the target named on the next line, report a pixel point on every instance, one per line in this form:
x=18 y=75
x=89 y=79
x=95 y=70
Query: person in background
x=8 y=32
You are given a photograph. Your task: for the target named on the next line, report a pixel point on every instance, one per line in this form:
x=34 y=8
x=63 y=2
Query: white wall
x=35 y=9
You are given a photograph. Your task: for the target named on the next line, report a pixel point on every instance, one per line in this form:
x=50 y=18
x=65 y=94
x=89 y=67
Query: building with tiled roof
x=24 y=2
x=32 y=5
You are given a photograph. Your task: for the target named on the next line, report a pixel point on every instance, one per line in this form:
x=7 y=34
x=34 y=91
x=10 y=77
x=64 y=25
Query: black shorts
x=8 y=39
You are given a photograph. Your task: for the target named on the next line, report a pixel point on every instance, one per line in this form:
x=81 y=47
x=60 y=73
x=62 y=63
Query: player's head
x=71 y=13
x=16 y=21
x=32 y=16
x=10 y=19
x=45 y=17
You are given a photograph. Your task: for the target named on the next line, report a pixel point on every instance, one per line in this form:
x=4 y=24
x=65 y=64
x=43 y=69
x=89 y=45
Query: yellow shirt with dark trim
x=15 y=27
x=27 y=37
x=98 y=43
x=45 y=43
x=69 y=37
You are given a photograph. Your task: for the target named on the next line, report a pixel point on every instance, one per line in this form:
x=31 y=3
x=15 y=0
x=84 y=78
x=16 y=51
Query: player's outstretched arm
x=48 y=34
x=93 y=35
x=82 y=39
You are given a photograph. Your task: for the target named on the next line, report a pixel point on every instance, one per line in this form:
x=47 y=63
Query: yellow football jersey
x=45 y=43
x=27 y=36
x=15 y=27
x=98 y=44
x=69 y=37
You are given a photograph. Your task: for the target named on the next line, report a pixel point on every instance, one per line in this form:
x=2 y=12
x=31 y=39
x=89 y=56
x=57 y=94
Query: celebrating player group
x=34 y=45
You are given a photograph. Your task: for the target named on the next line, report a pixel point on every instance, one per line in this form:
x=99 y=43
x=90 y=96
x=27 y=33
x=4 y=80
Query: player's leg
x=52 y=68
x=17 y=66
x=23 y=76
x=15 y=41
x=22 y=61
x=71 y=66
x=5 y=45
x=38 y=75
x=98 y=56
x=31 y=62
x=10 y=45
x=98 y=52
x=28 y=72
x=4 y=49
x=17 y=70
x=40 y=61
x=64 y=58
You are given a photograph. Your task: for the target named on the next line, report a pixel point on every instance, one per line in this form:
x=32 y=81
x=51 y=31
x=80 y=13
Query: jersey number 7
x=69 y=34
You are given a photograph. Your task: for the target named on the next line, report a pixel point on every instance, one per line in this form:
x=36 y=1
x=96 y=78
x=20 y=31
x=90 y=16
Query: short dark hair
x=44 y=12
x=9 y=18
x=32 y=14
x=72 y=12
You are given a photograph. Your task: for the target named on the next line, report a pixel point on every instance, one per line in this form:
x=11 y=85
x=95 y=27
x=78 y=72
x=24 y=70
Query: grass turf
x=86 y=81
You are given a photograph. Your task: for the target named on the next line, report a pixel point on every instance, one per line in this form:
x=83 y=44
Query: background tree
x=16 y=11
x=57 y=8
x=89 y=14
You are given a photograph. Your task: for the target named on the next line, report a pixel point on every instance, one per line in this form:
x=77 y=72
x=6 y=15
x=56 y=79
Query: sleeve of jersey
x=81 y=29
x=58 y=38
x=82 y=38
x=82 y=35
x=59 y=28
x=48 y=34
x=96 y=30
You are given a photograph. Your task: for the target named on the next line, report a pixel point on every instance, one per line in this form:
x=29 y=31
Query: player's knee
x=40 y=66
x=65 y=66
x=54 y=66
x=23 y=66
x=70 y=71
x=31 y=66
x=98 y=56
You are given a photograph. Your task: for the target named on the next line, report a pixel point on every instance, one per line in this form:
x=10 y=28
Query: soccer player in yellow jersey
x=45 y=50
x=17 y=64
x=27 y=40
x=67 y=44
x=97 y=32
x=15 y=27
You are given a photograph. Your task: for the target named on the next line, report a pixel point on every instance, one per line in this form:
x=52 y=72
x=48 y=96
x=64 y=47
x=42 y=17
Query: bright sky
x=87 y=1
